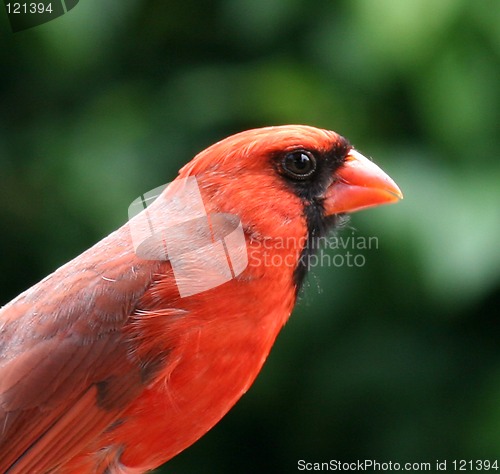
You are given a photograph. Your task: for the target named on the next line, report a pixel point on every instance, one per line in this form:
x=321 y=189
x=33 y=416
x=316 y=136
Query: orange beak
x=360 y=184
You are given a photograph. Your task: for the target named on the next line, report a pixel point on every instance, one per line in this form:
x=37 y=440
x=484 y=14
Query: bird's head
x=288 y=180
x=288 y=185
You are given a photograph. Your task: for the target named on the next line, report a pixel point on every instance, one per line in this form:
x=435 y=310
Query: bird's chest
x=218 y=348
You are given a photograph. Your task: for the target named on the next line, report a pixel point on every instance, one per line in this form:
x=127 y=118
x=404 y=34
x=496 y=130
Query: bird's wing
x=66 y=369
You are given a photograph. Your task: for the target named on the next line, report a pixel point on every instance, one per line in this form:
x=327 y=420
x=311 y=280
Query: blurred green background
x=396 y=360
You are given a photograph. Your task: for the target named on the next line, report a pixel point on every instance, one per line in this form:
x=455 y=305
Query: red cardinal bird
x=106 y=366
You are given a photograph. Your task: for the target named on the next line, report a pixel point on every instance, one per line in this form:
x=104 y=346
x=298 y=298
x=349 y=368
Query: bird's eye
x=299 y=164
